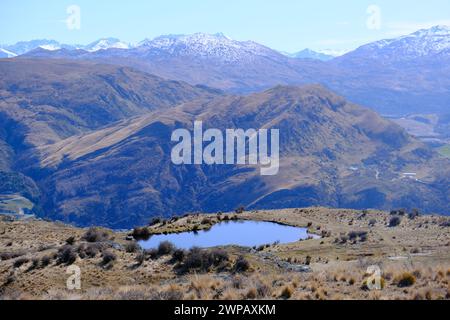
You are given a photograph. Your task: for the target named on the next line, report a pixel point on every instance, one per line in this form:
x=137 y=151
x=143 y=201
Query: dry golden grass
x=338 y=270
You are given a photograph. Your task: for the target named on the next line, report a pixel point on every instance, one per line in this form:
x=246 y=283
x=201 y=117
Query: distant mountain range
x=310 y=54
x=198 y=44
x=24 y=47
x=399 y=76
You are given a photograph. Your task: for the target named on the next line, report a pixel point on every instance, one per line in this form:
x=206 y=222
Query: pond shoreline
x=238 y=232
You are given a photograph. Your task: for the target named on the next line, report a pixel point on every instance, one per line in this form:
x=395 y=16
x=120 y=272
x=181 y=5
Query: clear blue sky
x=288 y=25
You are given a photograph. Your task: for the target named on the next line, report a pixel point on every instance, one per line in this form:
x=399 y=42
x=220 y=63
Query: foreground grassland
x=413 y=255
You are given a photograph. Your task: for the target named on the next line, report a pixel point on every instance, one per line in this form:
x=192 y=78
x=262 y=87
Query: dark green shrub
x=45 y=261
x=394 y=221
x=141 y=233
x=70 y=240
x=241 y=265
x=20 y=262
x=66 y=255
x=178 y=255
x=206 y=221
x=108 y=259
x=406 y=280
x=154 y=221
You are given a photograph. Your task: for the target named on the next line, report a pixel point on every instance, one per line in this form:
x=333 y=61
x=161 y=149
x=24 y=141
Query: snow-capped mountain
x=106 y=43
x=6 y=54
x=25 y=46
x=422 y=43
x=201 y=45
x=310 y=54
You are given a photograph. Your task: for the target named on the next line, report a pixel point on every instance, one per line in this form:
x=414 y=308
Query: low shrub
x=194 y=260
x=178 y=255
x=10 y=255
x=95 y=235
x=239 y=210
x=287 y=292
x=132 y=247
x=200 y=260
x=241 y=265
x=154 y=221
x=66 y=255
x=263 y=290
x=141 y=233
x=70 y=240
x=251 y=294
x=414 y=214
x=445 y=224
x=108 y=259
x=20 y=262
x=206 y=221
x=406 y=279
x=165 y=248
x=88 y=251
x=34 y=263
x=394 y=221
x=140 y=258
x=357 y=235
x=151 y=253
x=45 y=261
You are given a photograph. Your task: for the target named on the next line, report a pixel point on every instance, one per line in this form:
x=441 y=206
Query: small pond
x=241 y=233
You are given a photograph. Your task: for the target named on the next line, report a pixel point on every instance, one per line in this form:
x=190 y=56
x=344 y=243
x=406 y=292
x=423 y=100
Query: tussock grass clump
x=151 y=253
x=287 y=292
x=200 y=260
x=178 y=255
x=165 y=248
x=108 y=259
x=66 y=255
x=251 y=294
x=445 y=224
x=70 y=241
x=132 y=247
x=45 y=261
x=241 y=264
x=95 y=235
x=206 y=221
x=172 y=293
x=414 y=214
x=263 y=290
x=20 y=262
x=394 y=221
x=155 y=221
x=239 y=210
x=406 y=279
x=88 y=250
x=10 y=255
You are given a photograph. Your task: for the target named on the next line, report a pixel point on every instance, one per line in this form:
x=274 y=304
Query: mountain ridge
x=418 y=85
x=323 y=136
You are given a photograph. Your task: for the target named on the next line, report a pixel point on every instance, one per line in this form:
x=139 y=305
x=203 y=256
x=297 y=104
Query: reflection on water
x=242 y=233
